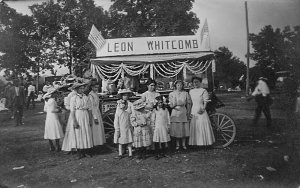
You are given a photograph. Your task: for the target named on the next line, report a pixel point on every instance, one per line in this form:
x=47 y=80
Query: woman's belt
x=81 y=108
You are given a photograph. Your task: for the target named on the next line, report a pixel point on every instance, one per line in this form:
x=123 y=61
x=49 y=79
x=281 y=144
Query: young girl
x=160 y=120
x=142 y=133
x=122 y=125
x=53 y=129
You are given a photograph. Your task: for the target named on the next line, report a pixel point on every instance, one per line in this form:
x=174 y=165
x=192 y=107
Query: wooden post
x=248 y=49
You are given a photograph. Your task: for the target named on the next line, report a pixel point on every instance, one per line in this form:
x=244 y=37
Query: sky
x=226 y=19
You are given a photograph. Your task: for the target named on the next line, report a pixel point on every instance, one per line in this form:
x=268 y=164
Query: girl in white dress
x=53 y=129
x=97 y=128
x=180 y=102
x=201 y=132
x=123 y=129
x=160 y=121
x=142 y=132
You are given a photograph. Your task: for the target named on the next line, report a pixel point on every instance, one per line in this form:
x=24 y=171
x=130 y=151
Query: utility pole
x=248 y=50
x=38 y=74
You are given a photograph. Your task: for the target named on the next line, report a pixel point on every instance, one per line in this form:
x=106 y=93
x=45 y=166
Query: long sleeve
x=133 y=119
x=168 y=118
x=172 y=100
x=152 y=119
x=116 y=121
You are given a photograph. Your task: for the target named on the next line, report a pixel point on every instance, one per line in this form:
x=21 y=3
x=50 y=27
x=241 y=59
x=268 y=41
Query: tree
x=64 y=26
x=276 y=50
x=229 y=68
x=140 y=18
x=15 y=34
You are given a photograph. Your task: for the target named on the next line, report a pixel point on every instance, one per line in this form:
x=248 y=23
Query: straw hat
x=123 y=91
x=76 y=85
x=263 y=78
x=139 y=104
x=50 y=91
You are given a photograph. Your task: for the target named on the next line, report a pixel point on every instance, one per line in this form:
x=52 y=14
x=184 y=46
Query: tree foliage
x=15 y=35
x=229 y=68
x=140 y=18
x=276 y=50
x=64 y=27
x=57 y=32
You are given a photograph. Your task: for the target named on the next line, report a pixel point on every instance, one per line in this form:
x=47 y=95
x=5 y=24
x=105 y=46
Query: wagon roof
x=152 y=58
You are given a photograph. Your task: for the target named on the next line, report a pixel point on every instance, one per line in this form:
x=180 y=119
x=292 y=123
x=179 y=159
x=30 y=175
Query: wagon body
x=164 y=65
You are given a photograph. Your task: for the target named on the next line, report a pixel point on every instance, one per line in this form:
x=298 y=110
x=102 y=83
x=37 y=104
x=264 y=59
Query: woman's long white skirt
x=201 y=132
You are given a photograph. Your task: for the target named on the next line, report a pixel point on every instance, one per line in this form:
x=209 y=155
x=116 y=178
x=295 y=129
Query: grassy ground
x=242 y=164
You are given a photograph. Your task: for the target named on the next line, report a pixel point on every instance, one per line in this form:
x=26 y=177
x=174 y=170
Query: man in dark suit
x=17 y=100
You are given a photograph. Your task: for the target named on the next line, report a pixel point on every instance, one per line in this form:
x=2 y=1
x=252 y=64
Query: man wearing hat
x=16 y=99
x=263 y=100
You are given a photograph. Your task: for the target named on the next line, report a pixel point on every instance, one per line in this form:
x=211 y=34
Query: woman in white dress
x=53 y=129
x=81 y=119
x=97 y=128
x=201 y=132
x=69 y=142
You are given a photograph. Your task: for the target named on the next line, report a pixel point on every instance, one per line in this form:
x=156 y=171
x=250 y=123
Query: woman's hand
x=201 y=110
x=76 y=125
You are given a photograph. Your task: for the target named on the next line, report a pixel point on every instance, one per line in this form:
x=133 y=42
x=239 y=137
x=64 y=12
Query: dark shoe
x=130 y=157
x=58 y=149
x=119 y=157
x=157 y=157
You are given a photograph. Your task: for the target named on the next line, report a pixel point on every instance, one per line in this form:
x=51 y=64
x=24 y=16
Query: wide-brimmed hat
x=76 y=85
x=263 y=78
x=124 y=91
x=139 y=104
x=50 y=91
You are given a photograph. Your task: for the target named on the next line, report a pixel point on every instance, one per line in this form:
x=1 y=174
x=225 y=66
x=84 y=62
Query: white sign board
x=150 y=45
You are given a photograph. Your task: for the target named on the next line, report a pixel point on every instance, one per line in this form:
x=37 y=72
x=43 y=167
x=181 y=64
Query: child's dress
x=122 y=125
x=97 y=129
x=53 y=129
x=142 y=130
x=160 y=120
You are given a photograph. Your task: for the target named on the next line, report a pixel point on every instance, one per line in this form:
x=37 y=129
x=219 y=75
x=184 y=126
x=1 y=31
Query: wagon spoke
x=222 y=128
x=222 y=125
x=222 y=120
x=108 y=117
x=226 y=134
x=228 y=130
x=224 y=138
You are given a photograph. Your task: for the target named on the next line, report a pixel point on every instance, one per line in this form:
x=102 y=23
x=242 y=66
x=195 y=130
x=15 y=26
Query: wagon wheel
x=224 y=129
x=108 y=121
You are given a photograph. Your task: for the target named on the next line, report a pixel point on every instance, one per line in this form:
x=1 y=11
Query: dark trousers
x=18 y=113
x=262 y=106
x=31 y=98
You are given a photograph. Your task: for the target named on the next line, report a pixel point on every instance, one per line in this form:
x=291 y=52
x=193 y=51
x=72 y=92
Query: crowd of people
x=143 y=126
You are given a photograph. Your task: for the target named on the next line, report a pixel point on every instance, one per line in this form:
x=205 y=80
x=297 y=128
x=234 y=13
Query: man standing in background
x=16 y=99
x=30 y=95
x=263 y=100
